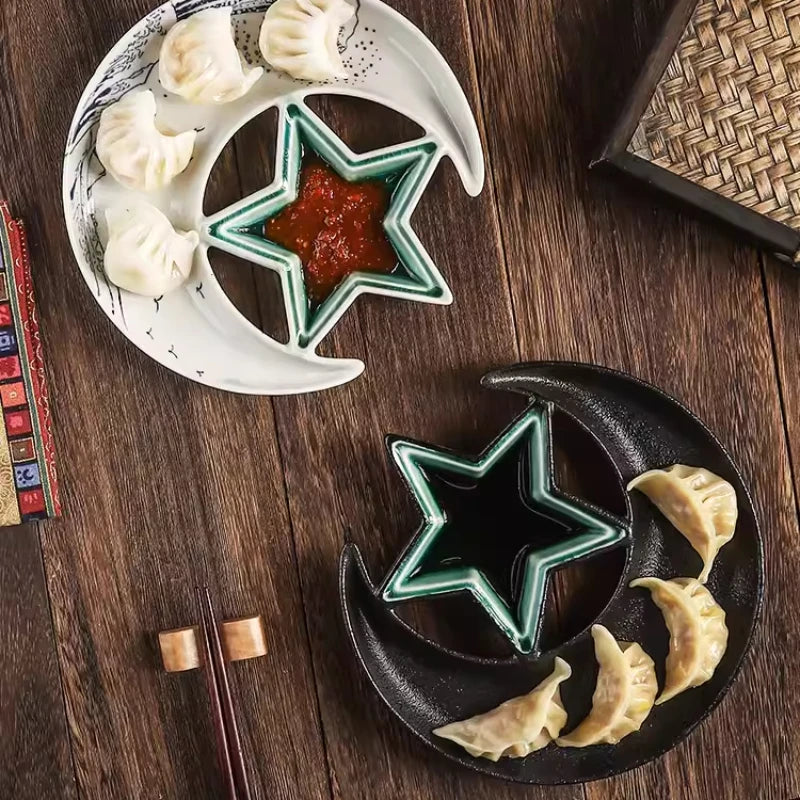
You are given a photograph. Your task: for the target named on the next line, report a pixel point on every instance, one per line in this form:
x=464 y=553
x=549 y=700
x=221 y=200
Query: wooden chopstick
x=235 y=752
x=226 y=728
x=223 y=752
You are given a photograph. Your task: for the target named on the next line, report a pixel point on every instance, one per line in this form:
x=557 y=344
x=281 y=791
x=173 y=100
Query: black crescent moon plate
x=427 y=685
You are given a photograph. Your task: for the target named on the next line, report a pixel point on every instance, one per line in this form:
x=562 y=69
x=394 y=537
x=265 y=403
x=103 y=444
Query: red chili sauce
x=335 y=227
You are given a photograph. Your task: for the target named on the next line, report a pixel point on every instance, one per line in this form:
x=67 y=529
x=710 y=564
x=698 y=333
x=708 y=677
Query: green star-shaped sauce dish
x=406 y=169
x=496 y=526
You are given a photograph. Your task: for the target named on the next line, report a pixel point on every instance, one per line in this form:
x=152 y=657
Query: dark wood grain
x=168 y=485
x=35 y=759
x=782 y=286
x=612 y=279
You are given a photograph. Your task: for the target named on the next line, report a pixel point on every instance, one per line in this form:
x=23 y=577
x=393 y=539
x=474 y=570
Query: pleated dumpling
x=623 y=697
x=700 y=504
x=301 y=37
x=517 y=727
x=145 y=254
x=698 y=633
x=132 y=148
x=200 y=61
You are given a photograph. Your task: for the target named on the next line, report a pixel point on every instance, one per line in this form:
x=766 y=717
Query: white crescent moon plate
x=196 y=331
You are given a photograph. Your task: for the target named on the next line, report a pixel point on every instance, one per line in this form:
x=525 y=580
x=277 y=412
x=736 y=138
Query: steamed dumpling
x=132 y=148
x=301 y=37
x=145 y=254
x=700 y=504
x=698 y=634
x=517 y=727
x=623 y=697
x=200 y=61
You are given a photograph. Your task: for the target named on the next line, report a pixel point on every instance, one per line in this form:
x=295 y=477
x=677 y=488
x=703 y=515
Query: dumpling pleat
x=145 y=254
x=300 y=37
x=200 y=61
x=132 y=148
x=698 y=633
x=700 y=504
x=519 y=726
x=623 y=697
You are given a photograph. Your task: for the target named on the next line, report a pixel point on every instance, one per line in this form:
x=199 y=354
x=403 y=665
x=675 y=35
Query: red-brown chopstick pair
x=209 y=646
x=226 y=728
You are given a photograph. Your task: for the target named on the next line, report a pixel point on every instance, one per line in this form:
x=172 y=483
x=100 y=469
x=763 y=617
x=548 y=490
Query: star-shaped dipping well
x=496 y=526
x=406 y=168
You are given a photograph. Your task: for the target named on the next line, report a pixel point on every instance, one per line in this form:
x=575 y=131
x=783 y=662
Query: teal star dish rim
x=592 y=530
x=407 y=168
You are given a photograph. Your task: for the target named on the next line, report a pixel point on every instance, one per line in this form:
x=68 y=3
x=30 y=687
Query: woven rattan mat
x=726 y=112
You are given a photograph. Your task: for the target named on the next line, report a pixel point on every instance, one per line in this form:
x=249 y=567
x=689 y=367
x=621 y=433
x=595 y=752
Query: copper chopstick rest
x=180 y=649
x=242 y=639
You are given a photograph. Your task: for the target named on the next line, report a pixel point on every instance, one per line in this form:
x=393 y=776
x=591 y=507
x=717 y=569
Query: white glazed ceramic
x=196 y=331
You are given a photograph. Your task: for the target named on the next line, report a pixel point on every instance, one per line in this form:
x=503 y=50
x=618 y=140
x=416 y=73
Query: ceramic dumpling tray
x=496 y=526
x=196 y=331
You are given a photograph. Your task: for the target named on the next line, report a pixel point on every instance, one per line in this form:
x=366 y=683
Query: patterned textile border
x=28 y=482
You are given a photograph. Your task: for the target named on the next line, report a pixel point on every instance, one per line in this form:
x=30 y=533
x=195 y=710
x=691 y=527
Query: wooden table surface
x=167 y=484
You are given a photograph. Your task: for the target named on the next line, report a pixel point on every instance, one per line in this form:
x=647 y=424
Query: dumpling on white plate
x=624 y=694
x=145 y=254
x=517 y=727
x=201 y=63
x=301 y=37
x=700 y=504
x=133 y=149
x=698 y=633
